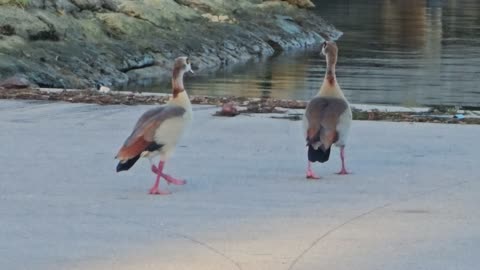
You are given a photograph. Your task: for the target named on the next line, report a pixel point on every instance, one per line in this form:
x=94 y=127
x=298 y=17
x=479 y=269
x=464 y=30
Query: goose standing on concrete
x=158 y=130
x=327 y=117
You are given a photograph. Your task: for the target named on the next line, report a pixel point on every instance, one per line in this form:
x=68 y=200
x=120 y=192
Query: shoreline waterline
x=287 y=108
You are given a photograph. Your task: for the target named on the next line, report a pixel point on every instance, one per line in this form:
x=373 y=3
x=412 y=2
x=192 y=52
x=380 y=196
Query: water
x=403 y=52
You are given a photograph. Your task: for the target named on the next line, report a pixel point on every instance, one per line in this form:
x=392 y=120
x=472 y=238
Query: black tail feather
x=318 y=155
x=124 y=166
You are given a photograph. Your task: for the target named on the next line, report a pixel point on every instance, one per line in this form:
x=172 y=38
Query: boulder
x=15 y=82
x=78 y=43
x=299 y=3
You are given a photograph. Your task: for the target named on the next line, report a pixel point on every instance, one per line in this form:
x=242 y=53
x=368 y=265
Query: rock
x=119 y=26
x=299 y=3
x=65 y=6
x=148 y=75
x=77 y=43
x=229 y=45
x=196 y=4
x=288 y=24
x=33 y=3
x=218 y=18
x=25 y=23
x=157 y=12
x=88 y=4
x=50 y=34
x=110 y=5
x=254 y=49
x=7 y=30
x=137 y=62
x=15 y=82
x=104 y=89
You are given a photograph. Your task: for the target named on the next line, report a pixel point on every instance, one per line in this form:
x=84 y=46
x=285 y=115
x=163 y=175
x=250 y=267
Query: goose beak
x=189 y=68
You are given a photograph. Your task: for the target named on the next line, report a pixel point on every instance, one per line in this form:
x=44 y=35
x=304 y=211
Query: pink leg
x=343 y=171
x=155 y=189
x=172 y=180
x=155 y=170
x=310 y=173
x=168 y=178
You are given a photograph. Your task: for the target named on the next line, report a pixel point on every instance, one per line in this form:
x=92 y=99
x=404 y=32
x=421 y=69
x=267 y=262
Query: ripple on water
x=409 y=52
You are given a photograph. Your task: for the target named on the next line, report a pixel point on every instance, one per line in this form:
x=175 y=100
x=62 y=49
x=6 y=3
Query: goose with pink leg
x=158 y=130
x=327 y=117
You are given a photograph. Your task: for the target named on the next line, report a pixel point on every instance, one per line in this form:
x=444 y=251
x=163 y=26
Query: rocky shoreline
x=282 y=109
x=80 y=43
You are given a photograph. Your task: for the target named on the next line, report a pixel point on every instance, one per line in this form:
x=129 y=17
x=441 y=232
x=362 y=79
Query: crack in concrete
x=355 y=218
x=180 y=235
x=212 y=249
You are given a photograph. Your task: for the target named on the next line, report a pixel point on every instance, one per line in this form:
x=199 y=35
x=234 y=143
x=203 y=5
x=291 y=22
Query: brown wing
x=144 y=130
x=322 y=115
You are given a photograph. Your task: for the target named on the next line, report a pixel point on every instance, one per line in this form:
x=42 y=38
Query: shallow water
x=405 y=52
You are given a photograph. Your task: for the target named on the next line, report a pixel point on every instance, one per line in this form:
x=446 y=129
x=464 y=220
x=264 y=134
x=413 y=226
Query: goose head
x=183 y=64
x=329 y=48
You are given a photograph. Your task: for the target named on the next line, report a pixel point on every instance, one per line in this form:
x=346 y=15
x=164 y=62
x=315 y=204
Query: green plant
x=22 y=3
x=18 y=3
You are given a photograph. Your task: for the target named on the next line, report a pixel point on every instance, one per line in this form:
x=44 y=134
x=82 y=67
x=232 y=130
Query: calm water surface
x=406 y=52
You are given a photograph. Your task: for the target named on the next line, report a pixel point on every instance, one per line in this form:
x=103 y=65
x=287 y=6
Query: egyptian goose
x=158 y=130
x=328 y=116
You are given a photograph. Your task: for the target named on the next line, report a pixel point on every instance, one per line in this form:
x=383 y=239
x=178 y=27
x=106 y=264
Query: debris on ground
x=231 y=106
x=228 y=109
